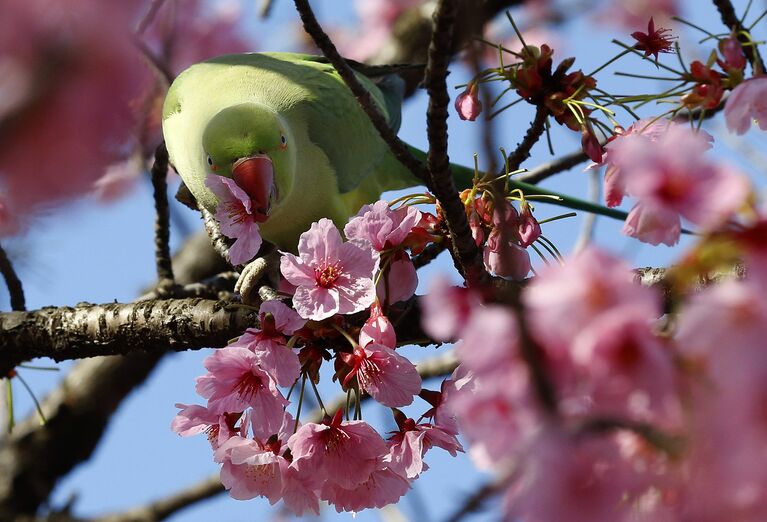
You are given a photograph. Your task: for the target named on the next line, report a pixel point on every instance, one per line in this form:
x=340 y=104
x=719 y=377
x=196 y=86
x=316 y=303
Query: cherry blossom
x=409 y=445
x=669 y=185
x=383 y=487
x=332 y=277
x=237 y=218
x=467 y=103
x=194 y=419
x=236 y=382
x=747 y=103
x=378 y=329
x=446 y=309
x=344 y=453
x=654 y=41
x=388 y=377
x=269 y=344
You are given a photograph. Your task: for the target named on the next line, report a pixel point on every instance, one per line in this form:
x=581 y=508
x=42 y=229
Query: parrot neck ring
x=255 y=175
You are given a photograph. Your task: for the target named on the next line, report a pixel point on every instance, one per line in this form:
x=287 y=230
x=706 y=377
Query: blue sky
x=95 y=253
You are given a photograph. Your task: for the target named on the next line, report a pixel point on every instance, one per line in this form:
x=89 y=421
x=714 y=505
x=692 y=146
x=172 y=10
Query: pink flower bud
x=529 y=229
x=467 y=104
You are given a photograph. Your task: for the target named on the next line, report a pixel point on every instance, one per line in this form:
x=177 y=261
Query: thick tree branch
x=34 y=457
x=88 y=330
x=534 y=133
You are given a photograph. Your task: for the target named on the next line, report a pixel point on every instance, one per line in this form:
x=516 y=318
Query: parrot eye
x=283 y=140
x=210 y=160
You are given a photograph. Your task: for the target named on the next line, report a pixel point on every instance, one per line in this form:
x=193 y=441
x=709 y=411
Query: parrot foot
x=253 y=273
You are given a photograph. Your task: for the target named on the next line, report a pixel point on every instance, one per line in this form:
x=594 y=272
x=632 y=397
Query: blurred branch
x=465 y=252
x=12 y=281
x=323 y=42
x=429 y=254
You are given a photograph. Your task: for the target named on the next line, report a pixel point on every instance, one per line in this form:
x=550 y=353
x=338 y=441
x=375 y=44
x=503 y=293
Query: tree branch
x=162 y=225
x=730 y=19
x=323 y=42
x=465 y=252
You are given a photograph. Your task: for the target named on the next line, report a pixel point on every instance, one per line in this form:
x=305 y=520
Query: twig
x=163 y=508
x=323 y=42
x=162 y=224
x=429 y=254
x=15 y=289
x=534 y=133
x=266 y=8
x=465 y=252
x=730 y=19
x=149 y=16
x=475 y=502
x=546 y=170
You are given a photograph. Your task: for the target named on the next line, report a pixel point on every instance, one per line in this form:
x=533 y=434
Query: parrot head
x=251 y=144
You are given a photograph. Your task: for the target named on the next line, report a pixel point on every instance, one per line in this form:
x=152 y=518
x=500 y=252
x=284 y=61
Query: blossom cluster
x=339 y=458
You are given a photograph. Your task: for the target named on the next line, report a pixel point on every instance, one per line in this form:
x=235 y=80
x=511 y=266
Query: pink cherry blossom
x=412 y=441
x=236 y=382
x=446 y=309
x=529 y=228
x=383 y=487
x=194 y=419
x=383 y=227
x=344 y=453
x=269 y=344
x=467 y=103
x=236 y=218
x=399 y=280
x=503 y=254
x=747 y=103
x=563 y=300
x=251 y=468
x=575 y=479
x=386 y=229
x=332 y=277
x=667 y=183
x=388 y=377
x=378 y=329
x=440 y=414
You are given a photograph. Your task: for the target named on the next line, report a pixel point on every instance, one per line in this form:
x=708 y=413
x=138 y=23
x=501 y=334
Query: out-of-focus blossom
x=747 y=103
x=590 y=144
x=332 y=277
x=564 y=300
x=669 y=185
x=65 y=66
x=118 y=179
x=575 y=479
x=446 y=309
x=734 y=57
x=635 y=13
x=708 y=91
x=236 y=217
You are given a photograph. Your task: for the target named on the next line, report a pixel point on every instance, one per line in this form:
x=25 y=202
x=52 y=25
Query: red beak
x=255 y=175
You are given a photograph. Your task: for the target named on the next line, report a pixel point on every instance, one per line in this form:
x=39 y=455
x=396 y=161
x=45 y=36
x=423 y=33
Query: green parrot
x=288 y=131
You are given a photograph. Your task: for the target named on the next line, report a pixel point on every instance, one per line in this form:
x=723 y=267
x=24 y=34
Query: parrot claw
x=252 y=273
